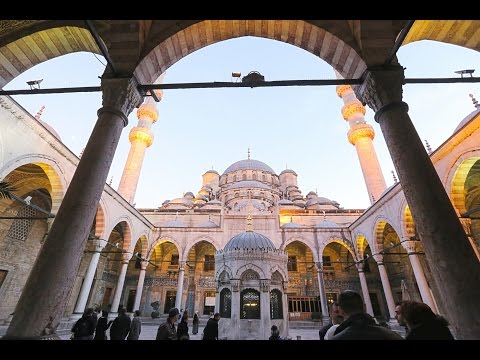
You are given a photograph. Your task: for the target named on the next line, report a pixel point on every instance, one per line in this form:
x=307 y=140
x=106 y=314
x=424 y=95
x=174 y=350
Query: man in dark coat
x=120 y=326
x=359 y=325
x=423 y=323
x=167 y=330
x=135 y=326
x=85 y=326
x=210 y=332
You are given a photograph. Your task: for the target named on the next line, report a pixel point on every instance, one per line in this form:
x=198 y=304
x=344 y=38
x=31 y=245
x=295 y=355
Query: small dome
x=249 y=240
x=292 y=225
x=466 y=120
x=285 y=202
x=327 y=224
x=51 y=129
x=212 y=171
x=288 y=171
x=208 y=224
x=312 y=193
x=189 y=195
x=249 y=164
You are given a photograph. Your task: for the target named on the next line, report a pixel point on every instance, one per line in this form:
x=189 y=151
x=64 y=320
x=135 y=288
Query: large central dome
x=249 y=240
x=249 y=164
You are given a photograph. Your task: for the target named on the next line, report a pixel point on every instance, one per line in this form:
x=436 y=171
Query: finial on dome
x=39 y=113
x=324 y=216
x=248 y=153
x=475 y=102
x=110 y=182
x=249 y=227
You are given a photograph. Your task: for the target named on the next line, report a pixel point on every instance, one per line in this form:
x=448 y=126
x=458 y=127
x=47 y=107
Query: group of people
x=168 y=331
x=90 y=327
x=349 y=321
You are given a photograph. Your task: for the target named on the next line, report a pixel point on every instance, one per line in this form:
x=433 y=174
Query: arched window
x=254 y=176
x=234 y=177
x=264 y=178
x=225 y=303
x=276 y=308
x=244 y=176
x=250 y=304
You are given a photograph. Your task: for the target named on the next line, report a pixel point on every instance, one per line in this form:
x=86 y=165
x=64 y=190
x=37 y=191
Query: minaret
x=361 y=135
x=141 y=137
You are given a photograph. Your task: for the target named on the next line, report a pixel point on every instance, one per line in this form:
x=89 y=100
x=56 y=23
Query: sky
x=296 y=127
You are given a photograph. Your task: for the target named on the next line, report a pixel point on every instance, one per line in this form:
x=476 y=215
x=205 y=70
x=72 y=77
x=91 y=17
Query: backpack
x=81 y=328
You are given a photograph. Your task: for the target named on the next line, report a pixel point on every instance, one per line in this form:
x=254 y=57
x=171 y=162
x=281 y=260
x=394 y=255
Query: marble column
x=119 y=287
x=265 y=326
x=323 y=294
x=181 y=275
x=454 y=265
x=98 y=244
x=234 y=331
x=49 y=284
x=141 y=280
x=364 y=286
x=386 y=286
x=425 y=293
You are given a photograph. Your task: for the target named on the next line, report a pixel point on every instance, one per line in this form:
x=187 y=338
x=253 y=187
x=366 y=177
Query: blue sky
x=298 y=127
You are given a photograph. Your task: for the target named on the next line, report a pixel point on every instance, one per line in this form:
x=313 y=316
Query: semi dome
x=466 y=120
x=249 y=240
x=249 y=164
x=248 y=184
x=327 y=224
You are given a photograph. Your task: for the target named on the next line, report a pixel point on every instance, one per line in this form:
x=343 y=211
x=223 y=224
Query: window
x=326 y=261
x=174 y=259
x=209 y=263
x=244 y=176
x=250 y=304
x=20 y=228
x=331 y=298
x=264 y=178
x=234 y=177
x=276 y=308
x=292 y=263
x=254 y=176
x=225 y=303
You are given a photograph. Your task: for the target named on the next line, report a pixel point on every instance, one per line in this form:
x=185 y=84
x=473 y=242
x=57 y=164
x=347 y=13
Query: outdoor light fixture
x=236 y=74
x=34 y=84
x=465 y=72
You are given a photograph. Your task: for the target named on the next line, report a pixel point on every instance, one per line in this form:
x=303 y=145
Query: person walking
x=167 y=330
x=423 y=323
x=102 y=326
x=135 y=326
x=182 y=330
x=333 y=312
x=196 y=321
x=210 y=332
x=121 y=325
x=84 y=327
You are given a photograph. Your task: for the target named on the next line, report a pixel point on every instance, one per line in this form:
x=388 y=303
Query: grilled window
x=225 y=303
x=250 y=304
x=276 y=308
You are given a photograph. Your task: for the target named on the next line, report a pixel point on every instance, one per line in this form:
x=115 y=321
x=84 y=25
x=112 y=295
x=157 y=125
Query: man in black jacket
x=211 y=329
x=359 y=325
x=333 y=312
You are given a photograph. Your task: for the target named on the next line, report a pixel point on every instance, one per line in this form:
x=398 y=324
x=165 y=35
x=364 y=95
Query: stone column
x=364 y=286
x=120 y=282
x=453 y=262
x=386 y=286
x=323 y=294
x=49 y=284
x=265 y=309
x=234 y=331
x=181 y=274
x=425 y=293
x=99 y=244
x=141 y=280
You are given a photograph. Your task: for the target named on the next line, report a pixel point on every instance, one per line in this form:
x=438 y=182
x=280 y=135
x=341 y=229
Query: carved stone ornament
x=121 y=95
x=235 y=284
x=382 y=86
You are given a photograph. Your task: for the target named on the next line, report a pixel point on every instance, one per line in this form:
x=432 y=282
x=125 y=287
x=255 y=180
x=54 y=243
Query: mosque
x=249 y=243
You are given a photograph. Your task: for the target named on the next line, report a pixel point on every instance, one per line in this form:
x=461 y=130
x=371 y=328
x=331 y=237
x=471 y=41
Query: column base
x=75 y=316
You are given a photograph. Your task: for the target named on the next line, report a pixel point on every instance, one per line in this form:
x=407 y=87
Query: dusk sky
x=296 y=127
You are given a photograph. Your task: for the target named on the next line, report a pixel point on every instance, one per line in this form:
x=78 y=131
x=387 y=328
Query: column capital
x=235 y=284
x=360 y=266
x=126 y=257
x=265 y=285
x=410 y=246
x=378 y=258
x=319 y=266
x=99 y=244
x=382 y=86
x=143 y=264
x=120 y=96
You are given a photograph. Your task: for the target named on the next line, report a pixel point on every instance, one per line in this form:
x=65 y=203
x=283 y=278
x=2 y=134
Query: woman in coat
x=182 y=330
x=196 y=320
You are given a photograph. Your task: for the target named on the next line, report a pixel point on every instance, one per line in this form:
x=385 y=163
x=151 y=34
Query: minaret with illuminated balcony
x=361 y=136
x=141 y=137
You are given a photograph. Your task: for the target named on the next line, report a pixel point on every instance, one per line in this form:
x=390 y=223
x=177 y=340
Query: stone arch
x=277 y=269
x=252 y=267
x=161 y=240
x=329 y=47
x=224 y=270
x=303 y=242
x=143 y=245
x=408 y=225
x=457 y=177
x=215 y=243
x=100 y=220
x=339 y=241
x=362 y=244
x=379 y=228
x=52 y=169
x=127 y=227
x=45 y=43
